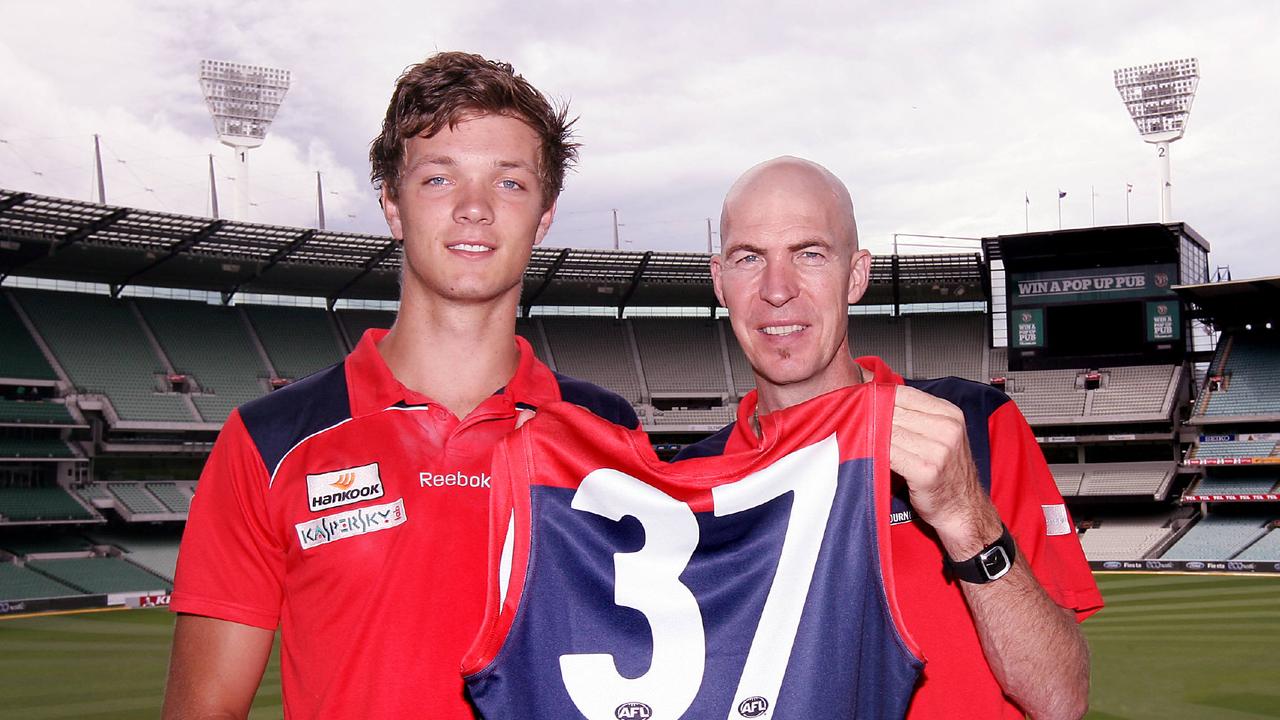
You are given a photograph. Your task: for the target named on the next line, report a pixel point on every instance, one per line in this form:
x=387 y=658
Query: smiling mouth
x=782 y=329
x=469 y=247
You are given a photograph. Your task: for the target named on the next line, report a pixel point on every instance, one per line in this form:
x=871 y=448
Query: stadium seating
x=155 y=551
x=21 y=358
x=681 y=355
x=743 y=379
x=135 y=498
x=355 y=322
x=945 y=344
x=100 y=575
x=1046 y=393
x=882 y=336
x=40 y=503
x=595 y=349
x=714 y=417
x=20 y=583
x=527 y=328
x=1222 y=484
x=1138 y=478
x=45 y=543
x=1249 y=365
x=211 y=344
x=298 y=340
x=40 y=448
x=1123 y=538
x=1216 y=537
x=169 y=495
x=1266 y=549
x=1068 y=478
x=100 y=344
x=35 y=413
x=1134 y=390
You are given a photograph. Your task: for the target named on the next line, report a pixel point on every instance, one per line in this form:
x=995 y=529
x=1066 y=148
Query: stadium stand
x=100 y=574
x=45 y=543
x=135 y=498
x=945 y=344
x=212 y=345
x=680 y=356
x=1138 y=478
x=99 y=343
x=34 y=448
x=356 y=322
x=1266 y=549
x=743 y=379
x=18 y=504
x=1214 y=483
x=169 y=495
x=1217 y=537
x=597 y=350
x=1137 y=390
x=298 y=340
x=529 y=329
x=20 y=583
x=882 y=336
x=713 y=418
x=156 y=551
x=1247 y=361
x=22 y=358
x=1233 y=449
x=27 y=412
x=1046 y=393
x=1124 y=537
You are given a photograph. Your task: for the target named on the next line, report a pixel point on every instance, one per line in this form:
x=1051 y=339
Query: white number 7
x=648 y=580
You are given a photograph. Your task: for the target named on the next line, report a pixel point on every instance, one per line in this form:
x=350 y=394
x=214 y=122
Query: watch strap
x=991 y=563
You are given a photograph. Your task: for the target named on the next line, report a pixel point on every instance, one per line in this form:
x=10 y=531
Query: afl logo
x=753 y=707
x=1026 y=317
x=1162 y=309
x=1162 y=279
x=633 y=711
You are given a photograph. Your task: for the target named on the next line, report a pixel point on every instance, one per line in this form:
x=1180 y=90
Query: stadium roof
x=1137 y=244
x=1234 y=303
x=66 y=239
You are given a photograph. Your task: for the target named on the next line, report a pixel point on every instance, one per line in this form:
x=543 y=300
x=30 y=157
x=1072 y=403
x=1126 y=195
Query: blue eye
x=434 y=180
x=510 y=184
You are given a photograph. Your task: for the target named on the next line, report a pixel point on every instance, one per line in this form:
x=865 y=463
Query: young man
x=350 y=509
x=998 y=630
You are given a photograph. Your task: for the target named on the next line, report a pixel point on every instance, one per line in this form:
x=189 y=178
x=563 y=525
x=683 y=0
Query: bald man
x=989 y=573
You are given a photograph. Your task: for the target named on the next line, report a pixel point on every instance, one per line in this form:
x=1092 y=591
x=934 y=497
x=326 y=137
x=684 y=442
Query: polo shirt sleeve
x=230 y=564
x=1028 y=500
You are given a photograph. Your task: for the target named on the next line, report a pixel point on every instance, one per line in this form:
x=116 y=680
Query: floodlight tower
x=1158 y=97
x=243 y=100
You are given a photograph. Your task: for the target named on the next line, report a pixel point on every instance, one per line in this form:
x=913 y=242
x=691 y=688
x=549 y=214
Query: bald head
x=786 y=186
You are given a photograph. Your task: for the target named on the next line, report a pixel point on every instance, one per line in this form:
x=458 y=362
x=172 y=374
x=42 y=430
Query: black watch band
x=993 y=563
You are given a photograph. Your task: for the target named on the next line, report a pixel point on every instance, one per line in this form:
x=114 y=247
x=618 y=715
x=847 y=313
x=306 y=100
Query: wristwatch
x=993 y=563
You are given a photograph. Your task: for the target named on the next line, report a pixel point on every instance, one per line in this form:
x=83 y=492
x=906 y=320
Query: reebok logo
x=454 y=479
x=343 y=487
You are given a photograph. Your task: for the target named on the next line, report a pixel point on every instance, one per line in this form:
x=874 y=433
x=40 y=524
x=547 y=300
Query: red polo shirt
x=352 y=513
x=956 y=681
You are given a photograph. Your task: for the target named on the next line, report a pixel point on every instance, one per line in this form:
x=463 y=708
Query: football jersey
x=748 y=585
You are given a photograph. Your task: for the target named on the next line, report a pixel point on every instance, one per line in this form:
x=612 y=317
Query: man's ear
x=859 y=275
x=716 y=261
x=544 y=223
x=391 y=211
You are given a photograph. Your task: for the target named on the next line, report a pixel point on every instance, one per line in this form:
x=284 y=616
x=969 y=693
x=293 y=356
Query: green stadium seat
x=39 y=448
x=298 y=340
x=20 y=583
x=40 y=503
x=35 y=413
x=21 y=358
x=101 y=575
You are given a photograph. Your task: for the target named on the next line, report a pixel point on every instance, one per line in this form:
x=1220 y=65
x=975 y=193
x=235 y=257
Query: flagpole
x=1059 y=209
x=1128 y=190
x=1026 y=212
x=1093 y=207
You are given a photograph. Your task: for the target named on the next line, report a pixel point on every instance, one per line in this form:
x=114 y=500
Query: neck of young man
x=770 y=397
x=457 y=353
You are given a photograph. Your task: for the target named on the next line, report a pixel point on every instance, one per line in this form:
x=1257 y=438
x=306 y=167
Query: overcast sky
x=939 y=117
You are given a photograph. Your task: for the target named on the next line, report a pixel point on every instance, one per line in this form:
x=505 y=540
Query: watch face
x=995 y=563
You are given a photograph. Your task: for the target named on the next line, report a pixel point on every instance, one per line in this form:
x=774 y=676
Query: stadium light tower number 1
x=243 y=100
x=1158 y=97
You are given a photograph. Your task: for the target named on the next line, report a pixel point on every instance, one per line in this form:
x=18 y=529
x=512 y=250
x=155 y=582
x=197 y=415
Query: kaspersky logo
x=343 y=487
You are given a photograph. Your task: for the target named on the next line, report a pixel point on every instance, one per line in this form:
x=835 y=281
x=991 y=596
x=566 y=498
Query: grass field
x=1166 y=647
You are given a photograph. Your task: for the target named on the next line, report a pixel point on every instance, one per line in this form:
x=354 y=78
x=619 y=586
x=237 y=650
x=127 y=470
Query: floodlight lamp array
x=243 y=99
x=1158 y=96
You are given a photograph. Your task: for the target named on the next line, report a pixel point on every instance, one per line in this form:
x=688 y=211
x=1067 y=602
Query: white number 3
x=648 y=580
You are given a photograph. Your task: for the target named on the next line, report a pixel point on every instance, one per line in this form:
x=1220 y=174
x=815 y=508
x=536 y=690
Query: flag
x=1061 y=194
x=1026 y=197
x=1128 y=187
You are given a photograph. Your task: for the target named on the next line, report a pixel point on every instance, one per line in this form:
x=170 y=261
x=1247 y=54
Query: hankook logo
x=343 y=487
